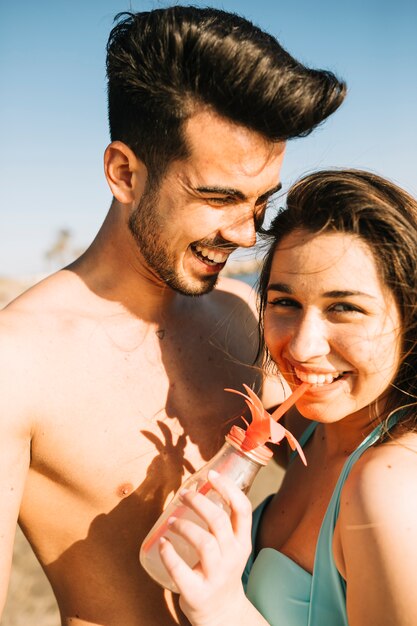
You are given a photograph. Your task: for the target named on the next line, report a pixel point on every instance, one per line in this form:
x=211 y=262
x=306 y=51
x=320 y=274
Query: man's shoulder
x=227 y=318
x=233 y=304
x=19 y=363
x=38 y=330
x=36 y=314
x=232 y=294
x=236 y=287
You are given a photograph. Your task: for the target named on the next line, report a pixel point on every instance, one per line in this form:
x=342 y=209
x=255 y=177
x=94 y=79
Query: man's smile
x=210 y=256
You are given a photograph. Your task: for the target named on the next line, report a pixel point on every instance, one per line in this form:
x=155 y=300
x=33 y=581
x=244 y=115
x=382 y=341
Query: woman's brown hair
x=382 y=214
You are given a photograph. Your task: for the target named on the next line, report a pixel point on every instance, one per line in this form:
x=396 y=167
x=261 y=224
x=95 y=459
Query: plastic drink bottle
x=239 y=465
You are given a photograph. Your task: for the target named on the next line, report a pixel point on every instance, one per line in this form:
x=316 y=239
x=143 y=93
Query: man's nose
x=309 y=339
x=240 y=231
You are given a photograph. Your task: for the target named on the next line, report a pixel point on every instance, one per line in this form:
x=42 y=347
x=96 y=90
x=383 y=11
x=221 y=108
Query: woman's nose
x=309 y=339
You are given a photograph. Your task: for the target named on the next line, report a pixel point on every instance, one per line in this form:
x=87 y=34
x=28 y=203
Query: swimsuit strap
x=306 y=434
x=328 y=589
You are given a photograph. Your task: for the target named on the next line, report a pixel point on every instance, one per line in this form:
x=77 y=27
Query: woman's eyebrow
x=346 y=294
x=335 y=293
x=280 y=287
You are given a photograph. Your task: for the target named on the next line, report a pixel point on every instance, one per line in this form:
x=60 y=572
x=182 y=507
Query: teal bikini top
x=282 y=591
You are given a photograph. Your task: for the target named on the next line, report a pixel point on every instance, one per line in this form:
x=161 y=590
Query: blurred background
x=53 y=122
x=53 y=129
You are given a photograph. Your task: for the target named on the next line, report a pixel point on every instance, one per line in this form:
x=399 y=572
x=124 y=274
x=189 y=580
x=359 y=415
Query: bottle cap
x=260 y=454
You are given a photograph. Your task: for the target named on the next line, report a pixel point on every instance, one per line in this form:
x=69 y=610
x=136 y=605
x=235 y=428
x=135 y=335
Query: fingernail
x=213 y=474
x=171 y=520
x=184 y=492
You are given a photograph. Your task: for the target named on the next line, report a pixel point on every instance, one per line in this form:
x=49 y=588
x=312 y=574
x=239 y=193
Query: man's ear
x=125 y=173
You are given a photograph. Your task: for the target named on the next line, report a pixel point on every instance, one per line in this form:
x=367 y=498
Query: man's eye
x=266 y=203
x=259 y=220
x=220 y=201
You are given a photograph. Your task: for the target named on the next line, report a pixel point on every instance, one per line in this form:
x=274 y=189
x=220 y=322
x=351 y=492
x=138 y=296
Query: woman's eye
x=345 y=307
x=283 y=302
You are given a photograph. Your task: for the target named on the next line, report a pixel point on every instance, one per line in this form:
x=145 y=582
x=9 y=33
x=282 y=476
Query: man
x=115 y=375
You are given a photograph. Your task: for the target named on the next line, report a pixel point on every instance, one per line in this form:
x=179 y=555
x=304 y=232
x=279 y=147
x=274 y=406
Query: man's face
x=207 y=205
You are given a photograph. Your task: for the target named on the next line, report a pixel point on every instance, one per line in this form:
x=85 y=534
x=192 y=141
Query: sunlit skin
x=124 y=374
x=329 y=313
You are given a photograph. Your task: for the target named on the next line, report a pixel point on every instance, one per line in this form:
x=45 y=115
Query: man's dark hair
x=163 y=65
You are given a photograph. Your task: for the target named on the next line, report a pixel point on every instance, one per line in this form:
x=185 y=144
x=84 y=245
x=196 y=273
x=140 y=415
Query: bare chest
x=122 y=417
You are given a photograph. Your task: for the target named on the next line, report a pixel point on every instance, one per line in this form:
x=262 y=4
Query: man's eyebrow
x=336 y=293
x=236 y=193
x=270 y=192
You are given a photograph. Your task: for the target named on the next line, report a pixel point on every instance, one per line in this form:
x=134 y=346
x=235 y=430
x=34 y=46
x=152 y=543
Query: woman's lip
x=314 y=370
x=316 y=388
x=315 y=385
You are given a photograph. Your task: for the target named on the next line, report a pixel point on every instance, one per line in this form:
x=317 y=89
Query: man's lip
x=206 y=265
x=228 y=249
x=216 y=252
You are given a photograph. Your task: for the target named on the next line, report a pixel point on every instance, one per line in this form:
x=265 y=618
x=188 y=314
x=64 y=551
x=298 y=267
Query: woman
x=337 y=544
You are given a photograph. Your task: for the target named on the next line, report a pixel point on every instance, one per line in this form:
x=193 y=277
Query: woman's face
x=330 y=321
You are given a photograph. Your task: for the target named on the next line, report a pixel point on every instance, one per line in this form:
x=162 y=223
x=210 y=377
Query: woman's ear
x=125 y=173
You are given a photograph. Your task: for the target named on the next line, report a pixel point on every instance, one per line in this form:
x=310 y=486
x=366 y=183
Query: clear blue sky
x=53 y=124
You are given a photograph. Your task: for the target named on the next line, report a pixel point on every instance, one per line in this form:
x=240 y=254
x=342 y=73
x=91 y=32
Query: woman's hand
x=212 y=593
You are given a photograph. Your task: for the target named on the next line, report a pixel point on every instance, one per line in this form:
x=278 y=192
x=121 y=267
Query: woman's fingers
x=240 y=506
x=204 y=543
x=227 y=530
x=215 y=518
x=182 y=575
x=222 y=545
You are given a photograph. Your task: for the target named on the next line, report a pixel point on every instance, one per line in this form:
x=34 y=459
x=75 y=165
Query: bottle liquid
x=239 y=465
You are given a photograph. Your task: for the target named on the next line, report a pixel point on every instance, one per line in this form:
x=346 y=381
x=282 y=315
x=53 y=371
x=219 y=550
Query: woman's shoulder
x=383 y=482
x=376 y=531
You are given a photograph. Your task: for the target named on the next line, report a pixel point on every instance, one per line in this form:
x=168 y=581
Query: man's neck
x=113 y=268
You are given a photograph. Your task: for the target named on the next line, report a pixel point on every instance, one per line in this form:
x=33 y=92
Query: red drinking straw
x=292 y=399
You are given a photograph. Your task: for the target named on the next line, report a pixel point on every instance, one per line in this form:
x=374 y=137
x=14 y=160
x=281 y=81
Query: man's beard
x=147 y=229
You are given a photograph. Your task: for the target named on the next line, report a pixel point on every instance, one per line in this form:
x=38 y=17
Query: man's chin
x=193 y=288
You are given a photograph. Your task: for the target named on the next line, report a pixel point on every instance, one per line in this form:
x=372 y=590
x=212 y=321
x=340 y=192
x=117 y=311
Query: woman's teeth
x=317 y=379
x=211 y=255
